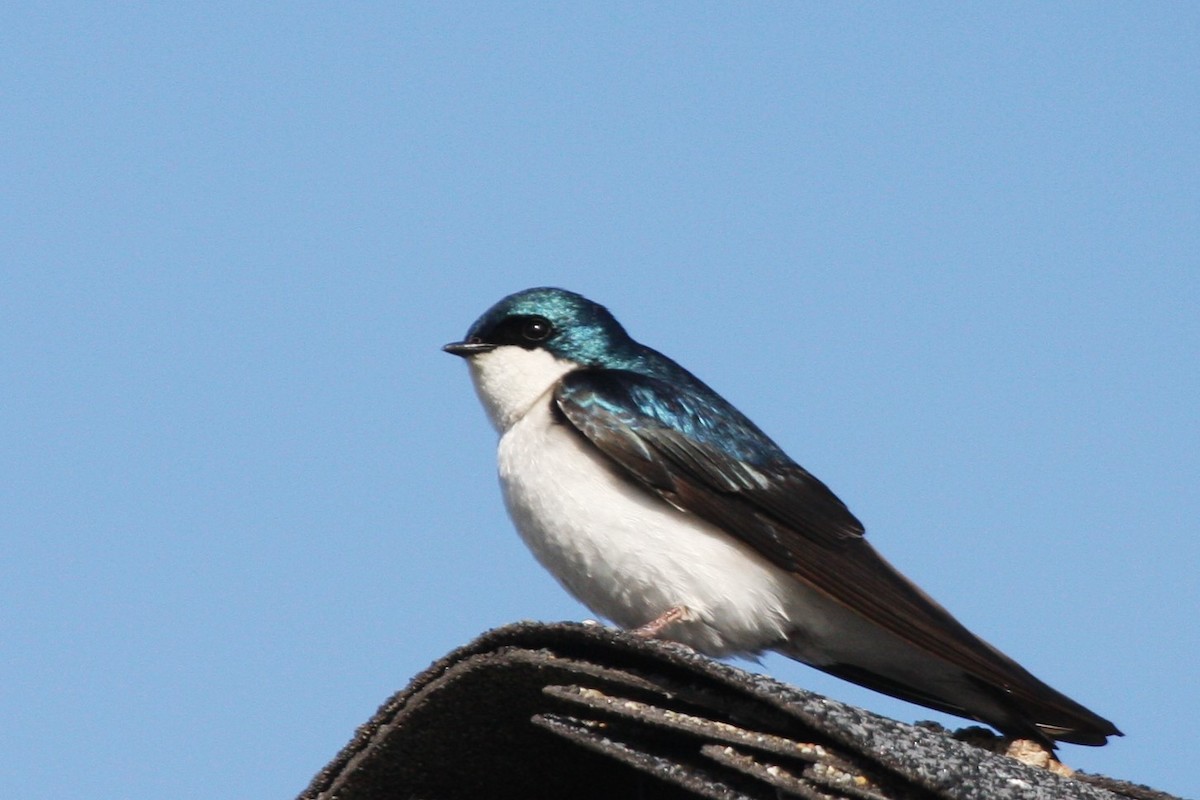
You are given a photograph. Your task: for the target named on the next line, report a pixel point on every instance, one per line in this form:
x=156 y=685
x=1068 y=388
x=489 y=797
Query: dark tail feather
x=1052 y=714
x=1037 y=712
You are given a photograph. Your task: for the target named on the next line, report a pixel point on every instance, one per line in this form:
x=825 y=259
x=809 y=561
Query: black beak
x=468 y=349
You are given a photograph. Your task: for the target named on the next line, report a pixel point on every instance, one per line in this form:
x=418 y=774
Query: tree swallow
x=663 y=508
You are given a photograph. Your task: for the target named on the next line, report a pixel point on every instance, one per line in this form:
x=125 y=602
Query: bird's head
x=524 y=343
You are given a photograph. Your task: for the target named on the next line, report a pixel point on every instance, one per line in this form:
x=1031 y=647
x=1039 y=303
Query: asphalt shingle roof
x=582 y=711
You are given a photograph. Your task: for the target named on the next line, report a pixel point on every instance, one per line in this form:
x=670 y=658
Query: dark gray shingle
x=582 y=711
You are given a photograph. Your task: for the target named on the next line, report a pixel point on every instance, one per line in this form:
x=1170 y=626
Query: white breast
x=619 y=549
x=630 y=556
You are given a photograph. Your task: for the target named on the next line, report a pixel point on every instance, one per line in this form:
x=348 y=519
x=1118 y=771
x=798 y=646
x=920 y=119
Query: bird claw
x=654 y=627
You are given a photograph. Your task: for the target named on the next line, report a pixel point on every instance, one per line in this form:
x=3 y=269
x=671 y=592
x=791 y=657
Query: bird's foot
x=654 y=627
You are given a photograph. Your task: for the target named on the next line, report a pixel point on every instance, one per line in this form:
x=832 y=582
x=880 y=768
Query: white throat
x=510 y=379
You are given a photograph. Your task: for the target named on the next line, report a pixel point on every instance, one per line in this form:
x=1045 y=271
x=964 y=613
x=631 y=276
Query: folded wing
x=713 y=462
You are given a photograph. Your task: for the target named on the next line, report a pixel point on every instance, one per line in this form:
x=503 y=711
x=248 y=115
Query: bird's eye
x=536 y=329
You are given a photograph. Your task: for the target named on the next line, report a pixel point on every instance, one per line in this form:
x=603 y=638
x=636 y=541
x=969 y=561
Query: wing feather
x=702 y=461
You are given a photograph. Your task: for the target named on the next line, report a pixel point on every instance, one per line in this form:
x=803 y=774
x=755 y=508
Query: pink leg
x=654 y=627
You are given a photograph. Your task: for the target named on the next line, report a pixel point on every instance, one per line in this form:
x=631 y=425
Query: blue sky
x=945 y=254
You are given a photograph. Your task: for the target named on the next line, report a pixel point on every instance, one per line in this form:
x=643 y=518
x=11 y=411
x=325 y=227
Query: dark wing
x=709 y=460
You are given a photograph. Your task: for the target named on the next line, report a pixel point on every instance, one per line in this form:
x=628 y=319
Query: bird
x=665 y=510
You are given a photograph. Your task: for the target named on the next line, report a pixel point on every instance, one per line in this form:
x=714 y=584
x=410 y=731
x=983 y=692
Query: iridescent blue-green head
x=522 y=346
x=564 y=324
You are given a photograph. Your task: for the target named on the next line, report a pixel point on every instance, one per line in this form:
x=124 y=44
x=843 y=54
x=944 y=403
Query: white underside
x=630 y=557
x=623 y=552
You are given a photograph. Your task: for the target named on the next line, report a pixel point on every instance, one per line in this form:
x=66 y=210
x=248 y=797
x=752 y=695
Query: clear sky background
x=945 y=254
